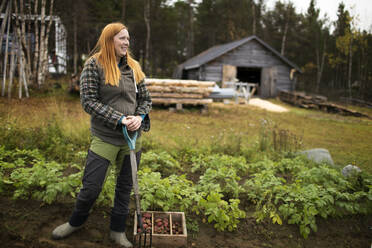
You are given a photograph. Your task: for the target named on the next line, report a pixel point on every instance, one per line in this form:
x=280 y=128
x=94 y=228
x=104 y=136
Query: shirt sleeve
x=144 y=105
x=89 y=96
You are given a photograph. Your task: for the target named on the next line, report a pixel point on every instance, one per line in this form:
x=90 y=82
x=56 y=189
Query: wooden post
x=46 y=39
x=2 y=5
x=11 y=72
x=23 y=78
x=20 y=40
x=37 y=38
x=20 y=76
x=3 y=24
x=178 y=106
x=42 y=45
x=21 y=31
x=6 y=48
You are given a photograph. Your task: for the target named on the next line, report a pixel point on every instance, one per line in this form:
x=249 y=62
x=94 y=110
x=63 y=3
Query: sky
x=360 y=8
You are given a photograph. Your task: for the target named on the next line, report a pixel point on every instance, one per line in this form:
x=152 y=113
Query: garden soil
x=29 y=223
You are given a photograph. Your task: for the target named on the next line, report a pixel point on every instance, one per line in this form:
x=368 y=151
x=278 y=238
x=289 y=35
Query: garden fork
x=143 y=238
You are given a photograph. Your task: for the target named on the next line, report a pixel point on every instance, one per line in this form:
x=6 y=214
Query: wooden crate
x=166 y=240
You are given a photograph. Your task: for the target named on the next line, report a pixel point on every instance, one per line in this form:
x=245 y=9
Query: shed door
x=228 y=74
x=268 y=82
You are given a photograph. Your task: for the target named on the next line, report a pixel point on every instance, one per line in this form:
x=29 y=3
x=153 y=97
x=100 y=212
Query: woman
x=113 y=92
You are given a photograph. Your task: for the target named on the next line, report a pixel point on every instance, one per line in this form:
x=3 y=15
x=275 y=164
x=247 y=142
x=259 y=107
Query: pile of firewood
x=302 y=100
x=175 y=91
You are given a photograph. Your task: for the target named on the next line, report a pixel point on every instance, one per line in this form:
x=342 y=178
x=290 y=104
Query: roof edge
x=243 y=41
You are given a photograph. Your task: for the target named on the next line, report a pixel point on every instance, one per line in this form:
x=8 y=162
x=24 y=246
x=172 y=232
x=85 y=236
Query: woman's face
x=121 y=43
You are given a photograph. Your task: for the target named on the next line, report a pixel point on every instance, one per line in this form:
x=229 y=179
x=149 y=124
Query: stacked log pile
x=302 y=100
x=175 y=91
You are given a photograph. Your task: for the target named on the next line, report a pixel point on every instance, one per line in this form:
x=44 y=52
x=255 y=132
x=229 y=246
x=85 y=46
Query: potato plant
x=288 y=189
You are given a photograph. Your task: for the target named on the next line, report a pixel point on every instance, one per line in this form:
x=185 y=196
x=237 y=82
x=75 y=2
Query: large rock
x=319 y=155
x=350 y=170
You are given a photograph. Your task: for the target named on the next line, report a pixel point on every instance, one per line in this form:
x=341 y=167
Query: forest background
x=335 y=57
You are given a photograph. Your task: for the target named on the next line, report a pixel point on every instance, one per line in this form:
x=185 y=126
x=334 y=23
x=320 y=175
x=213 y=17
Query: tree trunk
x=42 y=44
x=3 y=5
x=3 y=24
x=148 y=33
x=190 y=38
x=29 y=64
x=46 y=41
x=123 y=2
x=11 y=73
x=6 y=48
x=350 y=64
x=75 y=43
x=22 y=76
x=20 y=31
x=36 y=53
x=284 y=39
x=254 y=17
x=44 y=35
x=26 y=57
x=320 y=66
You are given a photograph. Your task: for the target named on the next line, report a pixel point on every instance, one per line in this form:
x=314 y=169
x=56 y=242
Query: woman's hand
x=133 y=123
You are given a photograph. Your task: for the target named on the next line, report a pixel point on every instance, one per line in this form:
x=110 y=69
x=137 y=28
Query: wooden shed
x=249 y=60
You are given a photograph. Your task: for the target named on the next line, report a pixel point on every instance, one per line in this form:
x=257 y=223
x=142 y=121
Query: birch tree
x=287 y=20
x=44 y=37
x=35 y=61
x=148 y=34
x=20 y=29
x=40 y=68
x=8 y=17
x=3 y=24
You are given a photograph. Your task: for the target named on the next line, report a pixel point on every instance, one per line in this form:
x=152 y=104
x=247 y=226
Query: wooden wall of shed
x=251 y=54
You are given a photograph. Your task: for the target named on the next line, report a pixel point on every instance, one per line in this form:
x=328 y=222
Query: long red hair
x=104 y=52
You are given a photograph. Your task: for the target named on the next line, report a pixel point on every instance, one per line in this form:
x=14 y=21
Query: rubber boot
x=121 y=239
x=63 y=231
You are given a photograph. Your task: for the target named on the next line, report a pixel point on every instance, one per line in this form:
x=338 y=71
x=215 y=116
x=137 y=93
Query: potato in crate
x=168 y=228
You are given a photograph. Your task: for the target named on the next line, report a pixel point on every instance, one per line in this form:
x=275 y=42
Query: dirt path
x=267 y=105
x=30 y=223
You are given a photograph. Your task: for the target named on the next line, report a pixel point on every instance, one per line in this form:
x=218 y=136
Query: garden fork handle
x=133 y=163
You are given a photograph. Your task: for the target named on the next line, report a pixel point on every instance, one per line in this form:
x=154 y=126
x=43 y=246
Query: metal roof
x=217 y=51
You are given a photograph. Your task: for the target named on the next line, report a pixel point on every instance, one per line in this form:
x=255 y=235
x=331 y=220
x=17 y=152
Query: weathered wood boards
x=316 y=102
x=179 y=89
x=176 y=91
x=179 y=82
x=167 y=101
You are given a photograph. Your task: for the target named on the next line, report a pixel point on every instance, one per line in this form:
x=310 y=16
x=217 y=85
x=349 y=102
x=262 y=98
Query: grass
x=230 y=127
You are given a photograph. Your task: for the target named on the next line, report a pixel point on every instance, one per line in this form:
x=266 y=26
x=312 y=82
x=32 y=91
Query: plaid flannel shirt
x=90 y=99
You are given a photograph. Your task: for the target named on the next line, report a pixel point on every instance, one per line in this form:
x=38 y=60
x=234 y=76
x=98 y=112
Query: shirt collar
x=123 y=61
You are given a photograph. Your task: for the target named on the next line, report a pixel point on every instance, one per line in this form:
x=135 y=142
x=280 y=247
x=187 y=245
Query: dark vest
x=122 y=98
